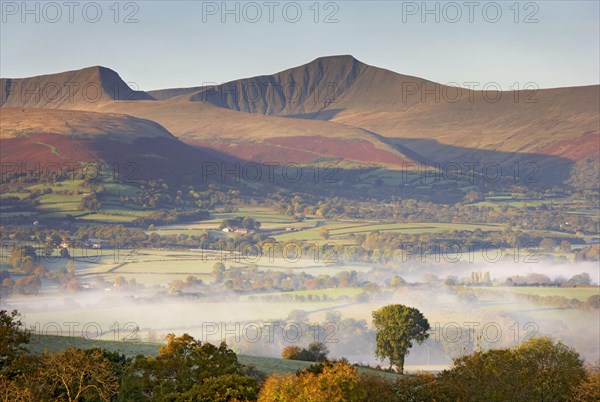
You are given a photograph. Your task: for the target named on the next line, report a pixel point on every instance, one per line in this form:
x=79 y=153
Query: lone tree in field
x=397 y=327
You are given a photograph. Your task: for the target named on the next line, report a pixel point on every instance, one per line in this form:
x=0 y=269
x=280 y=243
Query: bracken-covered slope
x=338 y=108
x=262 y=138
x=241 y=135
x=432 y=119
x=42 y=138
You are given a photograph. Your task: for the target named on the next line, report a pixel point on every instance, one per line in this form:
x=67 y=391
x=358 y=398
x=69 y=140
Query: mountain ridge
x=75 y=89
x=339 y=108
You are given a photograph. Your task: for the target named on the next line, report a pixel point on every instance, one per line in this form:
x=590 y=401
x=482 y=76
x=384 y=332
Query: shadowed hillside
x=41 y=136
x=340 y=109
x=424 y=118
x=264 y=138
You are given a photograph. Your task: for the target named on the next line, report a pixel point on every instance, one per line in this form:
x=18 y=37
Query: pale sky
x=187 y=43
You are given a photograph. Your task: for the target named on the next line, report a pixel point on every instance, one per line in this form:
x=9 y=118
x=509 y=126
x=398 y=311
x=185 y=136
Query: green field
x=411 y=228
x=55 y=206
x=263 y=215
x=107 y=218
x=332 y=294
x=167 y=267
x=579 y=293
x=60 y=203
x=340 y=231
x=9 y=194
x=270 y=221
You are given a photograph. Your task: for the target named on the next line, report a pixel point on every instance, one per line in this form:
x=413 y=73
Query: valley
x=331 y=231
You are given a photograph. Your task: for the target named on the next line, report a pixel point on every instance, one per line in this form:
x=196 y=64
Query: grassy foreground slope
x=50 y=343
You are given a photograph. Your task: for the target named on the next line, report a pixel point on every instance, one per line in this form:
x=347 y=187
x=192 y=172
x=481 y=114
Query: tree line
x=186 y=369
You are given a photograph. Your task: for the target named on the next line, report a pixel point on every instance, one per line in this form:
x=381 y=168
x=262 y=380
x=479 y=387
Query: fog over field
x=460 y=323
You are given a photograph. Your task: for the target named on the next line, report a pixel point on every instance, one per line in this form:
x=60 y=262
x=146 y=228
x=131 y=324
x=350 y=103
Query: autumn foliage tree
x=22 y=258
x=291 y=352
x=332 y=382
x=316 y=352
x=17 y=367
x=13 y=339
x=71 y=375
x=547 y=244
x=552 y=368
x=328 y=381
x=589 y=388
x=78 y=375
x=540 y=369
x=218 y=271
x=28 y=285
x=187 y=369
